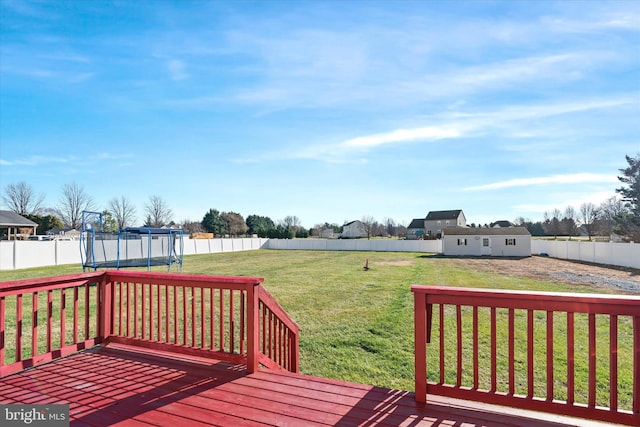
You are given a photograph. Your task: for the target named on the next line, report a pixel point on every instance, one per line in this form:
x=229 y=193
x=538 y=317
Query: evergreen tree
x=46 y=222
x=212 y=223
x=259 y=225
x=627 y=224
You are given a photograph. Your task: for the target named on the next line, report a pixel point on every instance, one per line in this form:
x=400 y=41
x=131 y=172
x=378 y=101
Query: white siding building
x=437 y=221
x=353 y=230
x=508 y=241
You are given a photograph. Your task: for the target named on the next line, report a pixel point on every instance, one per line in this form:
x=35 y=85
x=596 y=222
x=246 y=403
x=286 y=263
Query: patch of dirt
x=560 y=271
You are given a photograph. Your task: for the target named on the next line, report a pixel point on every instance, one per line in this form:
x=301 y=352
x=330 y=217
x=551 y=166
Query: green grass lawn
x=357 y=325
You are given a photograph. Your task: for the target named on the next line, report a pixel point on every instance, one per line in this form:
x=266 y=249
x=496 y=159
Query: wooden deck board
x=124 y=386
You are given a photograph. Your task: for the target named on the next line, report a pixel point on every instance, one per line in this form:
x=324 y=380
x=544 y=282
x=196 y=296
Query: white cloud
x=344 y=151
x=576 y=178
x=69 y=159
x=402 y=135
x=37 y=161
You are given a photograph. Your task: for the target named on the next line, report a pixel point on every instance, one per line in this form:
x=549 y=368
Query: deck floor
x=117 y=385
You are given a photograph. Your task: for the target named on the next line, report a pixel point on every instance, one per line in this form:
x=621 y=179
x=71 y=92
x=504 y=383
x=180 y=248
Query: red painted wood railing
x=49 y=318
x=550 y=352
x=228 y=318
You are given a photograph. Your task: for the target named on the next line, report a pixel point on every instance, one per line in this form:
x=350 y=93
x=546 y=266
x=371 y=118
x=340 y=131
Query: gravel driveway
x=561 y=271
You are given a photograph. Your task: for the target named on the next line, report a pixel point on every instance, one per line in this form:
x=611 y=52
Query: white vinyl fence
x=434 y=246
x=26 y=254
x=619 y=254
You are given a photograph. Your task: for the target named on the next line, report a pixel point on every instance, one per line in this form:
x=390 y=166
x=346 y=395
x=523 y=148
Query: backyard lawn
x=357 y=325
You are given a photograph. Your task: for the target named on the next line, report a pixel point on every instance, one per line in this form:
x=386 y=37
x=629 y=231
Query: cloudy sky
x=328 y=111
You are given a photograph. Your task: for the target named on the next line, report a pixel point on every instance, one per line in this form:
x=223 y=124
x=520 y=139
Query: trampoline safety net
x=130 y=247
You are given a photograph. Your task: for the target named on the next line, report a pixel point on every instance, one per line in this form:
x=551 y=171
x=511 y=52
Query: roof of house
x=417 y=223
x=435 y=215
x=486 y=231
x=352 y=222
x=12 y=219
x=501 y=223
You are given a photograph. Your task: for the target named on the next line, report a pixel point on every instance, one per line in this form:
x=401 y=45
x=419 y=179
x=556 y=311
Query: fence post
x=253 y=327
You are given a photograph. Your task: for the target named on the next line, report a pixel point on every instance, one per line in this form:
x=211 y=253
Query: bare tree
x=552 y=223
x=390 y=226
x=291 y=221
x=589 y=214
x=612 y=207
x=569 y=221
x=74 y=200
x=122 y=211
x=235 y=223
x=192 y=226
x=22 y=199
x=158 y=212
x=369 y=224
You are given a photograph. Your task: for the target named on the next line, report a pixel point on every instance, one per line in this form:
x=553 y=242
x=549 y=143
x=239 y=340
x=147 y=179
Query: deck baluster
x=526 y=308
x=550 y=358
x=34 y=324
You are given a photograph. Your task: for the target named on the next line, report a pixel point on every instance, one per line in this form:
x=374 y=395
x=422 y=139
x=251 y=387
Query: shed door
x=486 y=246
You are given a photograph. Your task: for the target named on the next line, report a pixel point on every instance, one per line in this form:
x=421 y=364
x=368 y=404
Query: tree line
x=616 y=215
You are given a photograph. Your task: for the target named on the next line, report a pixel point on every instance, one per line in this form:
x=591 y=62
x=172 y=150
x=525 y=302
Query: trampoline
x=129 y=247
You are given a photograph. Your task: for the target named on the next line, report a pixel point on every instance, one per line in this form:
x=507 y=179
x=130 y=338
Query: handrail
x=45 y=283
x=497 y=335
x=279 y=335
x=66 y=307
x=227 y=317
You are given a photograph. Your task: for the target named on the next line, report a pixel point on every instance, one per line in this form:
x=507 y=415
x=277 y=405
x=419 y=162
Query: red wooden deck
x=122 y=385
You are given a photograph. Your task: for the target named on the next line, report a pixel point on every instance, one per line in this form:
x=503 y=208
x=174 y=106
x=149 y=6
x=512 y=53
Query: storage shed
x=508 y=241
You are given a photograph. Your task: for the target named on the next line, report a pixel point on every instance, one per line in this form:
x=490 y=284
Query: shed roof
x=12 y=219
x=485 y=231
x=435 y=215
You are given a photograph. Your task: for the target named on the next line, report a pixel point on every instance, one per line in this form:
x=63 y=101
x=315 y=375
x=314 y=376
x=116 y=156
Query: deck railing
x=571 y=354
x=228 y=318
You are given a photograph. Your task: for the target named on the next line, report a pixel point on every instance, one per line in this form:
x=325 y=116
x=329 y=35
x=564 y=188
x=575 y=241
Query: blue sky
x=328 y=111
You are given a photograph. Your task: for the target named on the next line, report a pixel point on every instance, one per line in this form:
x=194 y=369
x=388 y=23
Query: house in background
x=415 y=230
x=437 y=221
x=353 y=230
x=18 y=227
x=327 y=233
x=500 y=241
x=64 y=234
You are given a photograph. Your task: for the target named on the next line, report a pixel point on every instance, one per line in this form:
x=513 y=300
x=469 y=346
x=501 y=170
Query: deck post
x=253 y=327
x=105 y=310
x=420 y=337
x=294 y=349
x=636 y=365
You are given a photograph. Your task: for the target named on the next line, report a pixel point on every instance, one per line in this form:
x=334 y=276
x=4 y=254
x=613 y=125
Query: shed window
x=462 y=242
x=510 y=242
